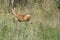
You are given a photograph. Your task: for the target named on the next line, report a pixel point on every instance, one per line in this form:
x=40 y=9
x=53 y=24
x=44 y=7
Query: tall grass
x=45 y=23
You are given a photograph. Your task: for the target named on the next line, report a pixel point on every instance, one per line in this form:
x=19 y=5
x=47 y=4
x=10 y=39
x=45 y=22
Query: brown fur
x=21 y=17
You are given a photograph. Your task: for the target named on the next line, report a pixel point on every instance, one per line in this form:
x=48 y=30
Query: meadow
x=45 y=23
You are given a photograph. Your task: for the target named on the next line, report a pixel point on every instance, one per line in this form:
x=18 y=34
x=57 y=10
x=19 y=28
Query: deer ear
x=13 y=9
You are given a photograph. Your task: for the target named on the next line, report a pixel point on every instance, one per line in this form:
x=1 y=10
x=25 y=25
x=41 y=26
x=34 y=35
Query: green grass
x=45 y=25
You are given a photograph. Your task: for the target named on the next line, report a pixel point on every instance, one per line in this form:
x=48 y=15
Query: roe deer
x=21 y=17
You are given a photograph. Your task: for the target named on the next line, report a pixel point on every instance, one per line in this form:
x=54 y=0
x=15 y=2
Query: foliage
x=45 y=22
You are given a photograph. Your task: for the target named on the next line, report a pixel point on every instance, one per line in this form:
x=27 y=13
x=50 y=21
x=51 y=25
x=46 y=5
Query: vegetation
x=45 y=21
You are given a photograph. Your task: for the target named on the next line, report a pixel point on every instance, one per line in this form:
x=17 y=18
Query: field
x=45 y=24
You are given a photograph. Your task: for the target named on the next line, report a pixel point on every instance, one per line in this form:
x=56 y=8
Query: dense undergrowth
x=45 y=23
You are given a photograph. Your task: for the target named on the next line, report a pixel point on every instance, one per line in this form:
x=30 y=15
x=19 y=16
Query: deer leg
x=14 y=19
